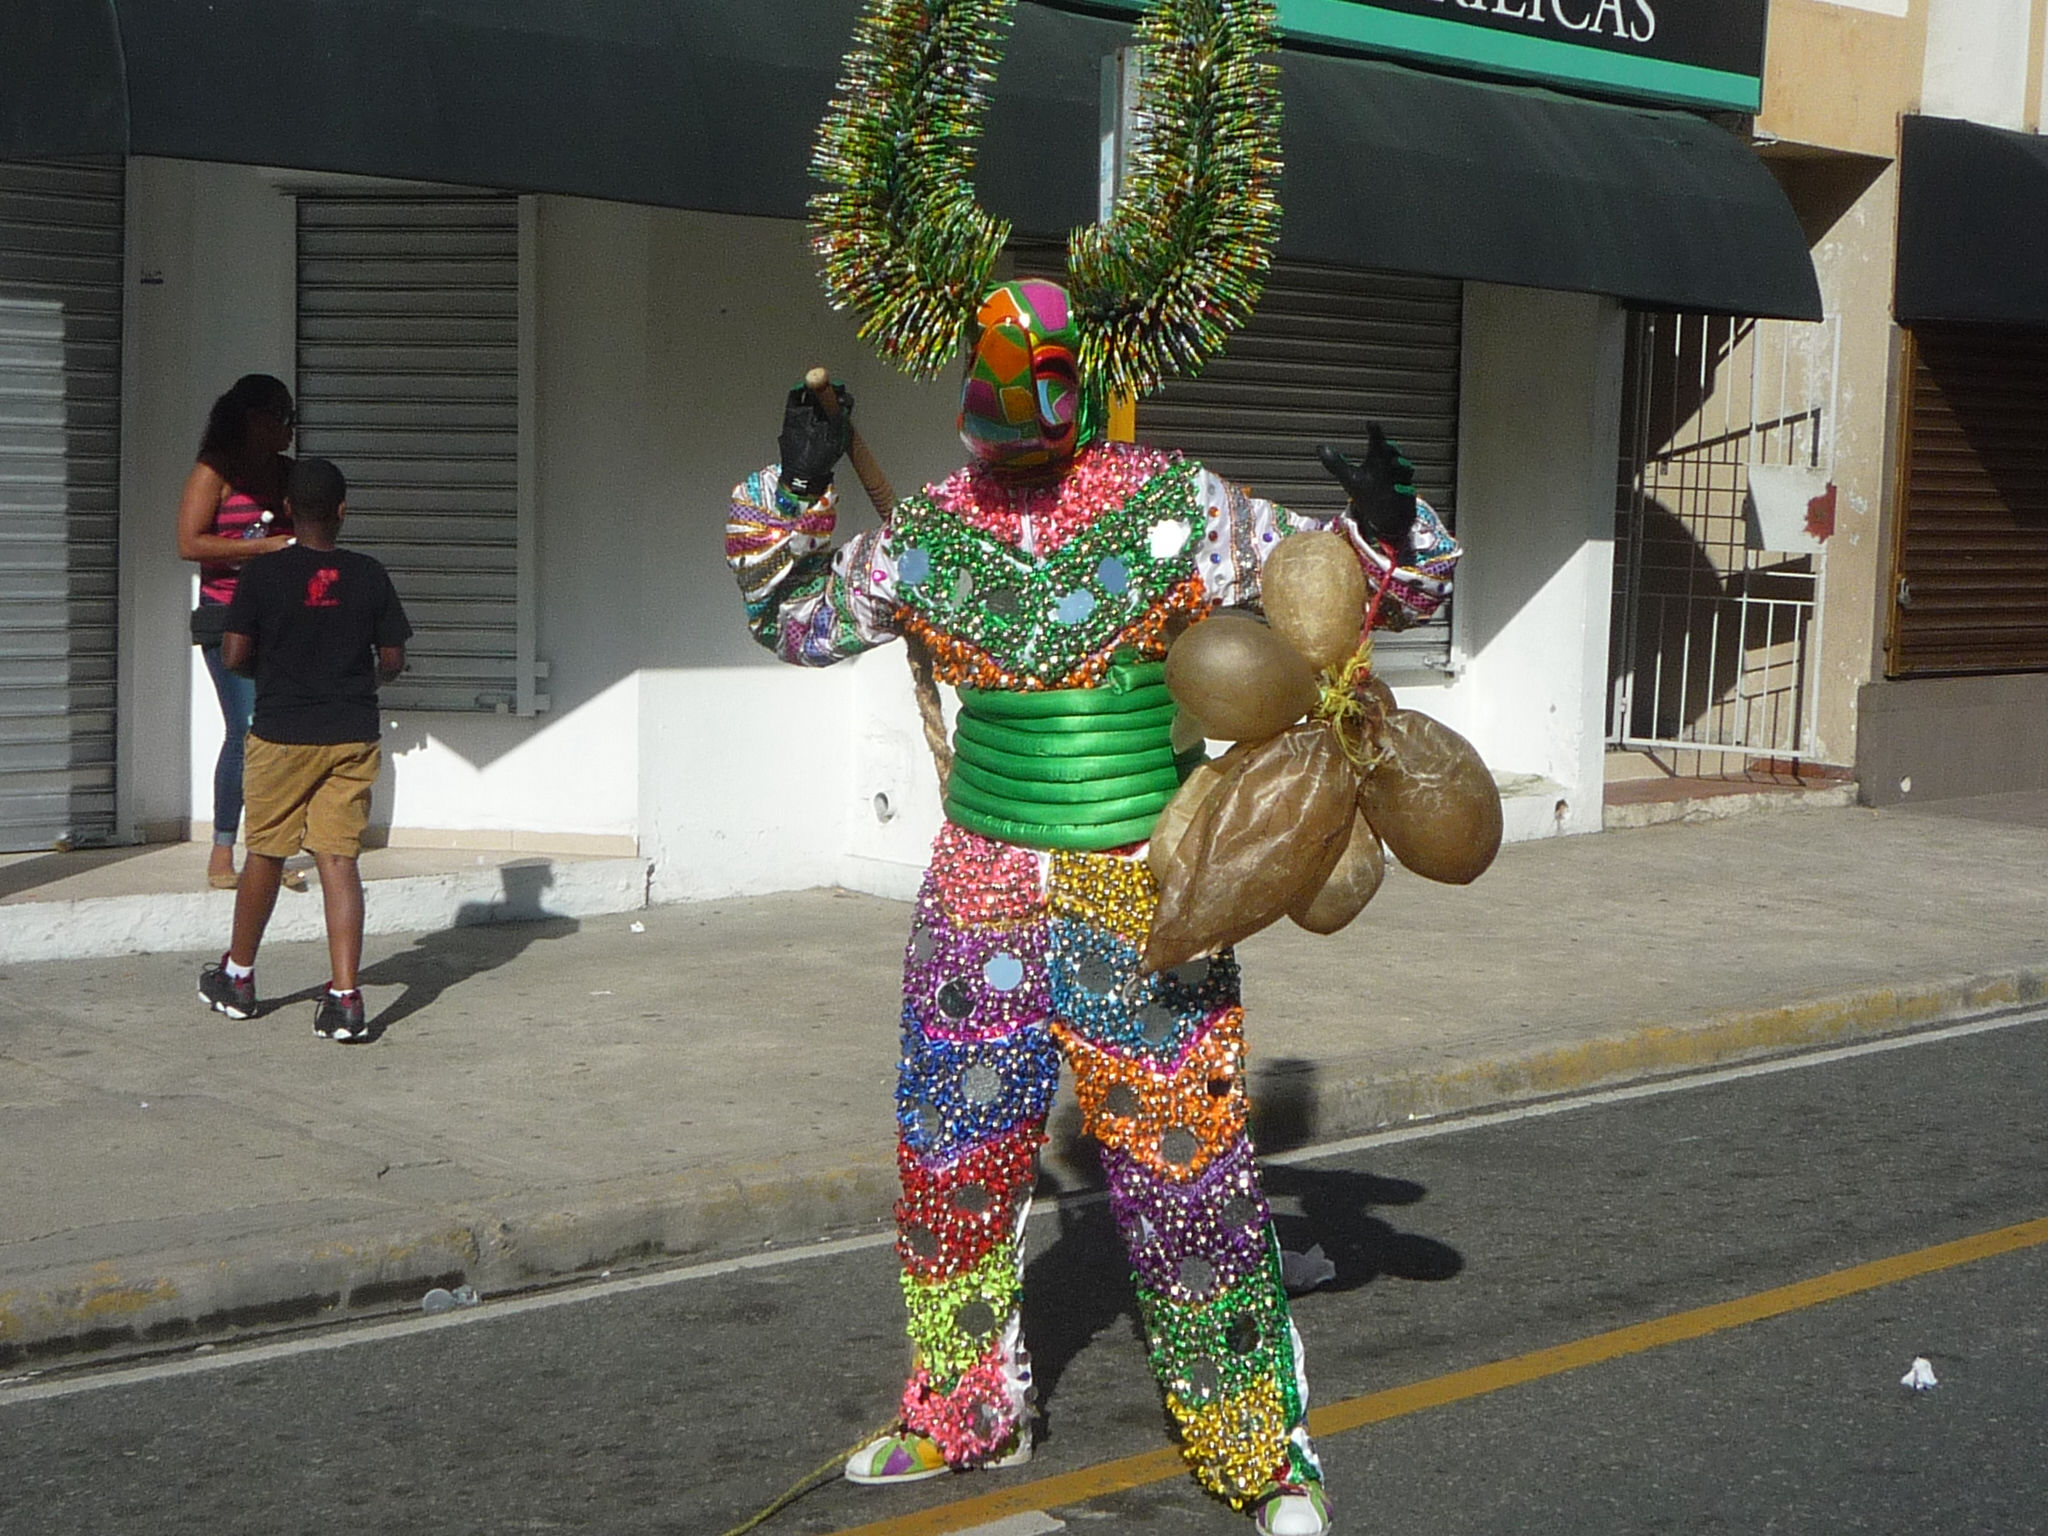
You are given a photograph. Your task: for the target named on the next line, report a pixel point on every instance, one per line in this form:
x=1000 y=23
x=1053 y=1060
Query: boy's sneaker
x=224 y=994
x=341 y=1018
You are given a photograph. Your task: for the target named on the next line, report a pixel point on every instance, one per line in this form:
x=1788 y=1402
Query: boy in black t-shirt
x=305 y=623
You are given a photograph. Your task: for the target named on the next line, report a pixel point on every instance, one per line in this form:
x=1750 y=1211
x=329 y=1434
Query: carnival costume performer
x=1044 y=581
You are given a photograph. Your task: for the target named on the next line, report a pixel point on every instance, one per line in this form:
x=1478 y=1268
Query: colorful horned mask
x=1022 y=404
x=1152 y=292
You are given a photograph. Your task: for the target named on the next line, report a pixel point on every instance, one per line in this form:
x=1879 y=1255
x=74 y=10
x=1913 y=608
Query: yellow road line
x=1377 y=1407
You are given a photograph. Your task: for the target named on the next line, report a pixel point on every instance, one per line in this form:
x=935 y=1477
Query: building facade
x=544 y=360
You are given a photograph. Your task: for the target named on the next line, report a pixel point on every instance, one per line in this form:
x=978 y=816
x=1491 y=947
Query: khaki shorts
x=308 y=796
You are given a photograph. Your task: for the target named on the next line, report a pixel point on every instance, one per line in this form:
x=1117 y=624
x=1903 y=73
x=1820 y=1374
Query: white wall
x=666 y=341
x=209 y=297
x=1538 y=430
x=1977 y=57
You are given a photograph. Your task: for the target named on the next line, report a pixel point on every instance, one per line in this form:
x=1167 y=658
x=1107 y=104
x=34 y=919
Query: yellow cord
x=807 y=1482
x=1341 y=706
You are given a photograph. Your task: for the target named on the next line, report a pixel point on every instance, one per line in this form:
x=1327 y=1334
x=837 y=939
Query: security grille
x=1970 y=588
x=1329 y=350
x=409 y=379
x=1714 y=631
x=60 y=454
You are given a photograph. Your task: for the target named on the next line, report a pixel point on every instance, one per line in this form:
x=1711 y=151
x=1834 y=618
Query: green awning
x=710 y=105
x=1973 y=224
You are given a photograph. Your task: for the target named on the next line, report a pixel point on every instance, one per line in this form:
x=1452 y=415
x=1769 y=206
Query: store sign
x=1707 y=53
x=1695 y=53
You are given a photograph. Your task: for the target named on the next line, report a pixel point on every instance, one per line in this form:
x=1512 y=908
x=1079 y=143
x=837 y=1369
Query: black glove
x=1382 y=490
x=812 y=442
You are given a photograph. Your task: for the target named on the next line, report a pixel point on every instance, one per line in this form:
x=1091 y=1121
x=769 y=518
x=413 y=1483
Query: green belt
x=1083 y=768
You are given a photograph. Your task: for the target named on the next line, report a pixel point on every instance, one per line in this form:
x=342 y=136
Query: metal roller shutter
x=409 y=379
x=1971 y=587
x=1330 y=349
x=60 y=454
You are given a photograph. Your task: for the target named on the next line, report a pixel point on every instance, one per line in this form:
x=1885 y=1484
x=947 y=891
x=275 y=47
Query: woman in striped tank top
x=232 y=511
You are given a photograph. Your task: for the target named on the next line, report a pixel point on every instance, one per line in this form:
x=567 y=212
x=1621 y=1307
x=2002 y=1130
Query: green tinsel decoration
x=903 y=242
x=1183 y=258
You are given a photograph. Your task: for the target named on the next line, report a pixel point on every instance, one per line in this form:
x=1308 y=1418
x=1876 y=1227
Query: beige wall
x=1852 y=256
x=1839 y=76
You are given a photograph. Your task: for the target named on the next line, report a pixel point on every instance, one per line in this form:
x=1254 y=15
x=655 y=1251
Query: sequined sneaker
x=903 y=1456
x=1298 y=1509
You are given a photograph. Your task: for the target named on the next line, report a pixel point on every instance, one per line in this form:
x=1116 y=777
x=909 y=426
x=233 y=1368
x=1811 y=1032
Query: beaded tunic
x=1031 y=586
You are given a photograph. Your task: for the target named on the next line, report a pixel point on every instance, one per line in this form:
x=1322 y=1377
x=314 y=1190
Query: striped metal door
x=60 y=456
x=1970 y=587
x=409 y=379
x=1330 y=349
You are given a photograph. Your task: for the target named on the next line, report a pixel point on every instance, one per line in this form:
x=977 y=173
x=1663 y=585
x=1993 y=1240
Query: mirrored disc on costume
x=1095 y=974
x=1179 y=1146
x=1243 y=1334
x=1004 y=971
x=1122 y=1101
x=981 y=1084
x=1156 y=1023
x=976 y=1319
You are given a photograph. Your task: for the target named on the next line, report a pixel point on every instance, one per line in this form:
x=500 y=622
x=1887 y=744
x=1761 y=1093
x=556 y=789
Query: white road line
x=29 y=1389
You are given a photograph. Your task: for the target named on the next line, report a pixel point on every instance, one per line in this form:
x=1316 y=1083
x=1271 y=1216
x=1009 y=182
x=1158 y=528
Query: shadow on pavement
x=486 y=935
x=1079 y=1285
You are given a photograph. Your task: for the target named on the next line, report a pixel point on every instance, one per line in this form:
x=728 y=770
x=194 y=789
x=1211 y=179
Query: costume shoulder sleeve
x=1241 y=530
x=808 y=602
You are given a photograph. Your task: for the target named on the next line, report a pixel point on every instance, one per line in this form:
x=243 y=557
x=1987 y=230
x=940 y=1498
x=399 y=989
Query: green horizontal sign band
x=1543 y=58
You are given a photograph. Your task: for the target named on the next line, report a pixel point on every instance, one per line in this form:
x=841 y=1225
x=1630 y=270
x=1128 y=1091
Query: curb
x=340 y=1273
x=523 y=890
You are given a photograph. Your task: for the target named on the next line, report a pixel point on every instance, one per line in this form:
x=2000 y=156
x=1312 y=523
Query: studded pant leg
x=1159 y=1070
x=977 y=1077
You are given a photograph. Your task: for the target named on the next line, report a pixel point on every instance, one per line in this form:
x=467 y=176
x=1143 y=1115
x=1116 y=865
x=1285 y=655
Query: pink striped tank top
x=240 y=516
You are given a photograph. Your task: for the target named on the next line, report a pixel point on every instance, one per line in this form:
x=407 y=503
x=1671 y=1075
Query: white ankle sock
x=237 y=972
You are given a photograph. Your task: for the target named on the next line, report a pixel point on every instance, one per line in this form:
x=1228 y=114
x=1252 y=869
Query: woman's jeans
x=237 y=695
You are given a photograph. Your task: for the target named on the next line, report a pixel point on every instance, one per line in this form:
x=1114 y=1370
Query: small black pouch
x=209 y=623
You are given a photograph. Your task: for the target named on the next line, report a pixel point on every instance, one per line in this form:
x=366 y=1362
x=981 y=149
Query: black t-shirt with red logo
x=315 y=617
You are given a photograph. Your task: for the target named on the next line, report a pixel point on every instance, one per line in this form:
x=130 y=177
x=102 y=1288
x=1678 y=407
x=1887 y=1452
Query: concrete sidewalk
x=565 y=1096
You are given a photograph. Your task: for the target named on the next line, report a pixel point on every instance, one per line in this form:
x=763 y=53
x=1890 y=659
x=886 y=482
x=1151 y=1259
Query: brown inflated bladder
x=1352 y=884
x=1262 y=841
x=1313 y=590
x=1432 y=800
x=1239 y=679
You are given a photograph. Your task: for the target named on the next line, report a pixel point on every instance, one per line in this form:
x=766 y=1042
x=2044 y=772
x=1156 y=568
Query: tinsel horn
x=1183 y=257
x=902 y=240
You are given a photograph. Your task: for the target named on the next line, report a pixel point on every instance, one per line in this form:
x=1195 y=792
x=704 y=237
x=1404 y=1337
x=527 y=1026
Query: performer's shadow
x=1078 y=1285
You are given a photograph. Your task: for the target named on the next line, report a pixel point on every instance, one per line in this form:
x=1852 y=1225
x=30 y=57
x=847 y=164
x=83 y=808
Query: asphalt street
x=682 y=1403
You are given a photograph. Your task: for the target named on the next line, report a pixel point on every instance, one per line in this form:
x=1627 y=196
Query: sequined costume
x=1048 y=604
